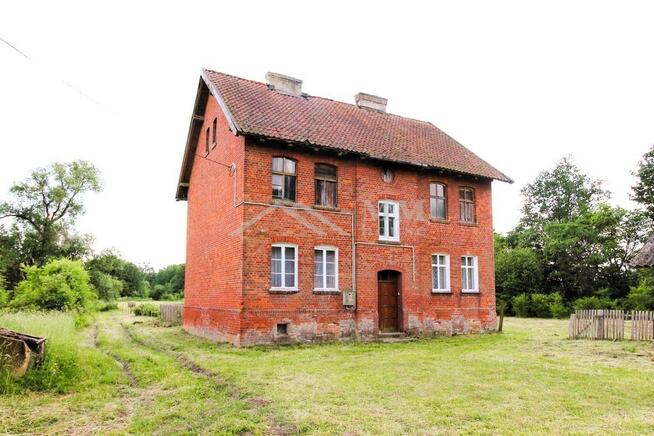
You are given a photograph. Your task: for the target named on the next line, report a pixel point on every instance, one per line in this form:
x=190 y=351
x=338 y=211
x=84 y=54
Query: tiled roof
x=645 y=257
x=257 y=110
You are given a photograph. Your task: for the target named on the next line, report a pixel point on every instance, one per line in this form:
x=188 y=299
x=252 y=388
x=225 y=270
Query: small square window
x=282 y=329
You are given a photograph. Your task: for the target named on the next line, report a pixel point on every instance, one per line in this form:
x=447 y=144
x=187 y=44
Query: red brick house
x=312 y=219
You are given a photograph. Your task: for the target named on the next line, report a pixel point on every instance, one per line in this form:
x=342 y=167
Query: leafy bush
x=107 y=306
x=60 y=284
x=106 y=286
x=557 y=308
x=540 y=306
x=146 y=309
x=594 y=302
x=642 y=296
x=521 y=305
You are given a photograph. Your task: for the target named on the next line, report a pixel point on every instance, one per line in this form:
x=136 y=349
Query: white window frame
x=386 y=215
x=447 y=289
x=475 y=268
x=283 y=287
x=324 y=249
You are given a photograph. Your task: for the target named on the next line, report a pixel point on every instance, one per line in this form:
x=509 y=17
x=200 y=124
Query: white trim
x=283 y=246
x=386 y=215
x=475 y=266
x=448 y=287
x=324 y=248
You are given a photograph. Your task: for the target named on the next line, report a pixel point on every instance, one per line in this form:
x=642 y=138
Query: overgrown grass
x=67 y=363
x=151 y=379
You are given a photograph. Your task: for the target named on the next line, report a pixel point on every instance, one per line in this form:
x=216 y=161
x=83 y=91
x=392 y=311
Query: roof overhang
x=205 y=88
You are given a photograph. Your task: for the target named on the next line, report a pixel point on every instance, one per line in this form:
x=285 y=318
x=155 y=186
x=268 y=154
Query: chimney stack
x=371 y=102
x=284 y=84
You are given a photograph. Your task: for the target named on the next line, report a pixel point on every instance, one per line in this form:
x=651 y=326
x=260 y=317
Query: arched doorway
x=389 y=309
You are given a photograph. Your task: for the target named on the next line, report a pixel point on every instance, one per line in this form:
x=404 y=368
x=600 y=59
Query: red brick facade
x=233 y=222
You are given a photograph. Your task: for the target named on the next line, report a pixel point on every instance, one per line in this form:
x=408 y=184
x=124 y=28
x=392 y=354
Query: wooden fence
x=597 y=324
x=171 y=313
x=610 y=324
x=642 y=325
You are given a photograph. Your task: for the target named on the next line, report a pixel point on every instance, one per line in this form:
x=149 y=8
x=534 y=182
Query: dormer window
x=283 y=178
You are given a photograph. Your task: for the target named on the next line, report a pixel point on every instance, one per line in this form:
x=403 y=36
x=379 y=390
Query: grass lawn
x=144 y=378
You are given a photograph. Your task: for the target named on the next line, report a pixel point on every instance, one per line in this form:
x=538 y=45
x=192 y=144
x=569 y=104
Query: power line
x=15 y=48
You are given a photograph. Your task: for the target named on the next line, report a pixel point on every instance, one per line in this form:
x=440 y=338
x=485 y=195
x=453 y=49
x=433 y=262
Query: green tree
x=46 y=205
x=60 y=284
x=643 y=191
x=517 y=270
x=109 y=263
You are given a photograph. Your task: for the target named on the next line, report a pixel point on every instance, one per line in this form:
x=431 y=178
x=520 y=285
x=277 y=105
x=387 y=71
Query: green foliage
x=594 y=302
x=521 y=305
x=557 y=307
x=106 y=286
x=539 y=305
x=113 y=276
x=147 y=309
x=106 y=306
x=644 y=189
x=45 y=206
x=59 y=285
x=167 y=283
x=641 y=297
x=517 y=270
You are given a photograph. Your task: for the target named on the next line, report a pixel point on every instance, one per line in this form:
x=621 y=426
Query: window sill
x=214 y=145
x=280 y=202
x=388 y=241
x=465 y=223
x=439 y=292
x=283 y=290
x=329 y=208
x=470 y=292
x=439 y=220
x=327 y=291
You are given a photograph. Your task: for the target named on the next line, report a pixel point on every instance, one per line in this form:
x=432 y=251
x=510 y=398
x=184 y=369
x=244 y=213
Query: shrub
x=521 y=305
x=106 y=286
x=540 y=306
x=107 y=306
x=642 y=296
x=146 y=309
x=517 y=270
x=594 y=302
x=557 y=308
x=60 y=284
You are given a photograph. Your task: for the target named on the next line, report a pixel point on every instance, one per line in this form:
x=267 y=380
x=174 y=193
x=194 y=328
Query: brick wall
x=228 y=280
x=213 y=286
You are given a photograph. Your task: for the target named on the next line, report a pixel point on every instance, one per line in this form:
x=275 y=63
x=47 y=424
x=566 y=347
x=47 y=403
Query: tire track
x=133 y=382
x=274 y=426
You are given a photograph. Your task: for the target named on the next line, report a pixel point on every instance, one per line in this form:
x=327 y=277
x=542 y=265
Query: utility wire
x=64 y=82
x=15 y=49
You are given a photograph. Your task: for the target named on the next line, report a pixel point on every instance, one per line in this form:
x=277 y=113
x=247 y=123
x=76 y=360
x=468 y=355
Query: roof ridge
x=324 y=98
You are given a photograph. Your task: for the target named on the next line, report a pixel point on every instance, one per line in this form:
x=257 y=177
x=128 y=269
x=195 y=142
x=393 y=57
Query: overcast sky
x=520 y=83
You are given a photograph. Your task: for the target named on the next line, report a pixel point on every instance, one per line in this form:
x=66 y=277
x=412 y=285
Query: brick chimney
x=284 y=84
x=371 y=102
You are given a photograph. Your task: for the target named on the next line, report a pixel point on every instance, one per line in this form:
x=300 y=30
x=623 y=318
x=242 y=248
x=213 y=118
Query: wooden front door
x=389 y=298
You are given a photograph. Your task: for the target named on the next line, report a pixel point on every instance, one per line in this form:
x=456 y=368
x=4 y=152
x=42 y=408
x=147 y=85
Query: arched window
x=215 y=125
x=283 y=178
x=206 y=141
x=467 y=205
x=326 y=192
